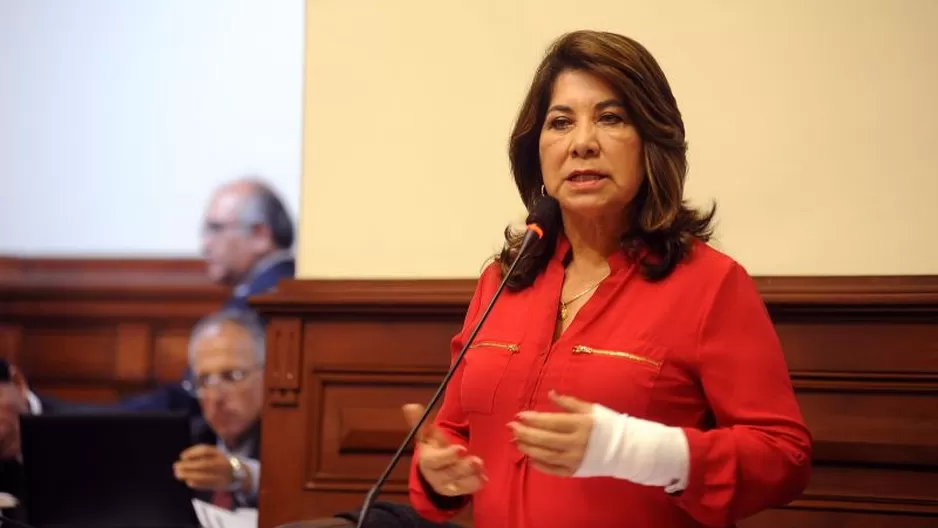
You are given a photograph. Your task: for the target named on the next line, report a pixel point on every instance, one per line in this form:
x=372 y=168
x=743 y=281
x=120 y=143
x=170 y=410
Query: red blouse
x=696 y=350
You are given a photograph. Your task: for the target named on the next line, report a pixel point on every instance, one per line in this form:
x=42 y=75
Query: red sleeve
x=759 y=454
x=451 y=420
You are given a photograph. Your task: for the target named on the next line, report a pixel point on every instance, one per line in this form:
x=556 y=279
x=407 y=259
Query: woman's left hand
x=555 y=442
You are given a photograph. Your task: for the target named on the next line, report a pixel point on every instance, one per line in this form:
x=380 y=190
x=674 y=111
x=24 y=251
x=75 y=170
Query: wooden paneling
x=98 y=329
x=863 y=354
x=170 y=352
x=344 y=355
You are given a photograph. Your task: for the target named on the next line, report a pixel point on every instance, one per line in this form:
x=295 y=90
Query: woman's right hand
x=444 y=465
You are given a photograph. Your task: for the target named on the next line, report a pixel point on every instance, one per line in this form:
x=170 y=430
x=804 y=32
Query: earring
x=543 y=190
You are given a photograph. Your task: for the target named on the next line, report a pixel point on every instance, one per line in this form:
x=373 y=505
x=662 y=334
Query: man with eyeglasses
x=226 y=356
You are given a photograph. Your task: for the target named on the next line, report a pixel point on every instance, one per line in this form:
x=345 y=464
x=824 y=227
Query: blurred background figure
x=247 y=238
x=11 y=406
x=226 y=357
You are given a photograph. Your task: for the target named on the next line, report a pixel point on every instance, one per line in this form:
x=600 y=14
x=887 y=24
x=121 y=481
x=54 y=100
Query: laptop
x=105 y=470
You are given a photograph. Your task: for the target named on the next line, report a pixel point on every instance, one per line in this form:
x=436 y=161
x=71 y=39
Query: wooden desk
x=343 y=356
x=97 y=329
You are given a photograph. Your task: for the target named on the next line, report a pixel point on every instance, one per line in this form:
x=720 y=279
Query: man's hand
x=444 y=465
x=555 y=442
x=204 y=467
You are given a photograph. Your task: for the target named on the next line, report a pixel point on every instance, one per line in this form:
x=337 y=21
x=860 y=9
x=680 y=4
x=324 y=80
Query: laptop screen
x=105 y=470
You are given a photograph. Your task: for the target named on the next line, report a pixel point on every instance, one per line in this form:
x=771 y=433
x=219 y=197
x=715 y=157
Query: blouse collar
x=618 y=261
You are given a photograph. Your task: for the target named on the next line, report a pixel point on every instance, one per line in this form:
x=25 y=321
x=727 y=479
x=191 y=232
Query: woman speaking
x=630 y=374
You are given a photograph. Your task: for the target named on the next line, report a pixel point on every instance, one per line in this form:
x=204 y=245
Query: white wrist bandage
x=641 y=451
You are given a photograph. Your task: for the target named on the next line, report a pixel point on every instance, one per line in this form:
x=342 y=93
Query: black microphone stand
x=529 y=237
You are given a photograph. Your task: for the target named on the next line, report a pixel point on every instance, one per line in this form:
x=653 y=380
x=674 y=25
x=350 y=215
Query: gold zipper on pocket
x=494 y=344
x=582 y=349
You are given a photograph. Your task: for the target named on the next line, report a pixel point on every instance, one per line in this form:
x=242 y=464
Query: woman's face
x=591 y=154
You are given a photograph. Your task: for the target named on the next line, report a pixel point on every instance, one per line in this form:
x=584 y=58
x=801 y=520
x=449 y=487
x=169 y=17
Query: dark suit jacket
x=203 y=434
x=263 y=282
x=175 y=396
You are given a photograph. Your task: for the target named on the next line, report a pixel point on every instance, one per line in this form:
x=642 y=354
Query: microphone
x=544 y=217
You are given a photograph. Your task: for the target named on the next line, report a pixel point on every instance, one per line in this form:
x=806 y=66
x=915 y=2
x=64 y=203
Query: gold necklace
x=564 y=304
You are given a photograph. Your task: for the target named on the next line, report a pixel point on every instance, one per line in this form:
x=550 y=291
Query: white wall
x=118 y=118
x=814 y=124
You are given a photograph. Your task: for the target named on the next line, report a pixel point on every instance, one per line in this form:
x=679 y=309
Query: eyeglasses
x=223 y=381
x=215 y=228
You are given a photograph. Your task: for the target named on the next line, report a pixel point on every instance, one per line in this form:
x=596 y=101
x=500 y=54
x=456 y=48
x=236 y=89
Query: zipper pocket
x=495 y=344
x=582 y=349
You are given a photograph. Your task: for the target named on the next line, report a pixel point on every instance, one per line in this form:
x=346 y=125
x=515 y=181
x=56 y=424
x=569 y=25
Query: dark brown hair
x=661 y=226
